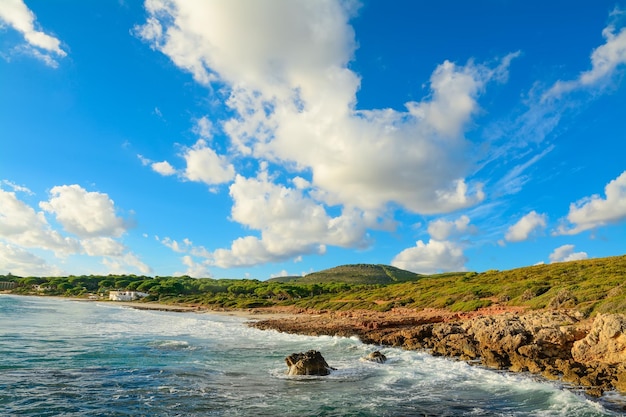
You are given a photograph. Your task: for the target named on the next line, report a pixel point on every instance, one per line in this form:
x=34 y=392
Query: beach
x=102 y=358
x=555 y=344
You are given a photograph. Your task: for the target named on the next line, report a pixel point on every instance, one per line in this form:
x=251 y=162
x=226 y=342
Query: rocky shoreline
x=557 y=344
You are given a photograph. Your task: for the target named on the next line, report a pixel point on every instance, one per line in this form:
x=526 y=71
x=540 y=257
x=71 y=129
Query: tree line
x=218 y=292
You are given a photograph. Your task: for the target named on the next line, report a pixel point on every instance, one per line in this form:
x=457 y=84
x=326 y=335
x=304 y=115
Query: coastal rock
x=558 y=344
x=605 y=343
x=307 y=363
x=376 y=356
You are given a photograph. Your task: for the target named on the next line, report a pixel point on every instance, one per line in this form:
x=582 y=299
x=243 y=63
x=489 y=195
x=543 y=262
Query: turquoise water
x=65 y=358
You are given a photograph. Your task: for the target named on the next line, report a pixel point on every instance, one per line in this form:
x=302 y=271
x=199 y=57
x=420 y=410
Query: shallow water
x=65 y=358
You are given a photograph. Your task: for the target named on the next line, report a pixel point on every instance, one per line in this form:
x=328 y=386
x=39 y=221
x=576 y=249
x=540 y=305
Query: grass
x=592 y=286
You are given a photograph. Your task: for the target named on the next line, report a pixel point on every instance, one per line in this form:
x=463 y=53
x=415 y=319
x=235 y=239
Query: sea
x=71 y=358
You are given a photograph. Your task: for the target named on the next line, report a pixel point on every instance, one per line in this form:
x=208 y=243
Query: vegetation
x=360 y=274
x=591 y=286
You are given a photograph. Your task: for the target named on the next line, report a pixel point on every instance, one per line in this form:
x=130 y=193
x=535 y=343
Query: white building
x=126 y=295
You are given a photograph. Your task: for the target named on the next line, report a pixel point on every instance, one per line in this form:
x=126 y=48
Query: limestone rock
x=605 y=343
x=307 y=363
x=376 y=356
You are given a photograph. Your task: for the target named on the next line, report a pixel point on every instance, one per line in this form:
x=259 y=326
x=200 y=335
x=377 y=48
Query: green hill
x=590 y=286
x=288 y=278
x=359 y=274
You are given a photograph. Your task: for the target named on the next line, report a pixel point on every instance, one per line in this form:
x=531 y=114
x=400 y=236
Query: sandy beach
x=252 y=314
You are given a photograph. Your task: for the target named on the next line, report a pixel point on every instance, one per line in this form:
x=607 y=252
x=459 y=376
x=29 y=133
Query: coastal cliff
x=557 y=344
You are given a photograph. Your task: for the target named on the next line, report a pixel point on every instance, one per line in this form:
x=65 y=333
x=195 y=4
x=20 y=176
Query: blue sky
x=264 y=138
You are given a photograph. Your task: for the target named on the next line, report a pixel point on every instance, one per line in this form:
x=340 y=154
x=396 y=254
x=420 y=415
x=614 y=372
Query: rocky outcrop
x=604 y=349
x=556 y=344
x=376 y=356
x=307 y=363
x=604 y=343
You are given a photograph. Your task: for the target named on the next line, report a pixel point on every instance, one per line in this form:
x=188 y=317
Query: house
x=7 y=285
x=126 y=295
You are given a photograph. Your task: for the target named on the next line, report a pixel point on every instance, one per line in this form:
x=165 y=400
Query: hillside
x=590 y=286
x=359 y=274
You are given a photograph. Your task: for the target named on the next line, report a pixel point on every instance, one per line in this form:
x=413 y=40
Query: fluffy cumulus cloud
x=442 y=229
x=195 y=269
x=163 y=168
x=293 y=101
x=20 y=262
x=21 y=225
x=39 y=44
x=566 y=253
x=526 y=226
x=121 y=264
x=84 y=213
x=103 y=246
x=289 y=223
x=90 y=225
x=595 y=211
x=205 y=165
x=432 y=257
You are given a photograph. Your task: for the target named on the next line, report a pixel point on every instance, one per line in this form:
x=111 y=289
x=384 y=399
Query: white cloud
x=548 y=106
x=595 y=211
x=15 y=187
x=525 y=227
x=290 y=224
x=40 y=45
x=205 y=165
x=91 y=216
x=83 y=213
x=21 y=225
x=121 y=264
x=195 y=269
x=204 y=128
x=442 y=229
x=605 y=60
x=294 y=98
x=163 y=168
x=282 y=273
x=513 y=181
x=432 y=257
x=566 y=253
x=175 y=246
x=102 y=246
x=20 y=262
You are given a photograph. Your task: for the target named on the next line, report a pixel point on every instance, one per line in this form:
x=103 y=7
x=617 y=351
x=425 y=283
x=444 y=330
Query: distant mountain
x=355 y=274
x=289 y=278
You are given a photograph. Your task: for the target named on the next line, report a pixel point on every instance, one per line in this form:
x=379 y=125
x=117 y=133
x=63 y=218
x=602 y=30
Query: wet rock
x=556 y=344
x=377 y=357
x=307 y=363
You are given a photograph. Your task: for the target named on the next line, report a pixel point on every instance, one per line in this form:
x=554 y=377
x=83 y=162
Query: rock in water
x=376 y=357
x=308 y=363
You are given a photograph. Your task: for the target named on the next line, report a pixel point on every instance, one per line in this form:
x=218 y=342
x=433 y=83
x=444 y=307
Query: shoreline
x=562 y=345
x=588 y=354
x=259 y=313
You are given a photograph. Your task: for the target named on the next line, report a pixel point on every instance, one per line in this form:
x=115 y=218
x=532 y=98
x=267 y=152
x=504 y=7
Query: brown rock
x=376 y=356
x=605 y=343
x=308 y=363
